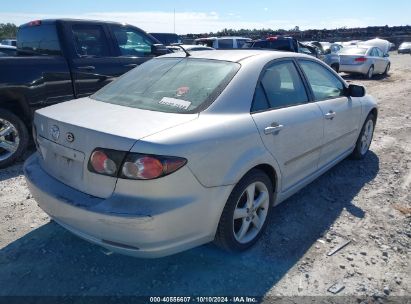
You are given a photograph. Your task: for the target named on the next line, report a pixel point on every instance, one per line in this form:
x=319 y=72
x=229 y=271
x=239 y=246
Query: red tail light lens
x=133 y=165
x=139 y=166
x=105 y=161
x=360 y=59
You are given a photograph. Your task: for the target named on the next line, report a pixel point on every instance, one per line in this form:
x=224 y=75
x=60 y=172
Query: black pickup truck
x=58 y=60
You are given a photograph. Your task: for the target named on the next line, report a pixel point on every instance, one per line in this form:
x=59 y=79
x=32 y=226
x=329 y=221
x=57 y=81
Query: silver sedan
x=184 y=150
x=365 y=60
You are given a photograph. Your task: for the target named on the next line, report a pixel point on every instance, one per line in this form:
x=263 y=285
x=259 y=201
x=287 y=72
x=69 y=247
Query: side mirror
x=356 y=90
x=386 y=55
x=159 y=49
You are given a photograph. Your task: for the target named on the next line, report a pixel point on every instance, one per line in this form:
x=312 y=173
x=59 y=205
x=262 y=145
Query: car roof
x=52 y=21
x=236 y=55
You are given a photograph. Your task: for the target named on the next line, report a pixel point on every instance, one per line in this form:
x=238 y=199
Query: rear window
x=280 y=44
x=39 y=40
x=174 y=85
x=353 y=51
x=206 y=42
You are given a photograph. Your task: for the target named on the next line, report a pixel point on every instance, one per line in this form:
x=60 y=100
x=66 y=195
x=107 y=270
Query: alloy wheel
x=9 y=139
x=250 y=212
x=367 y=136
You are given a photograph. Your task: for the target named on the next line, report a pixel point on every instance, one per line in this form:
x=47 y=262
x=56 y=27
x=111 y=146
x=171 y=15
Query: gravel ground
x=365 y=202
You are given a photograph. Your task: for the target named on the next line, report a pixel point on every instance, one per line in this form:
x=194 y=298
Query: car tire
x=364 y=140
x=370 y=73
x=335 y=67
x=14 y=138
x=387 y=69
x=243 y=220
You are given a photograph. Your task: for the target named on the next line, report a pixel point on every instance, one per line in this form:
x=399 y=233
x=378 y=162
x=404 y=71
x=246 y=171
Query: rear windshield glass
x=39 y=40
x=353 y=51
x=175 y=85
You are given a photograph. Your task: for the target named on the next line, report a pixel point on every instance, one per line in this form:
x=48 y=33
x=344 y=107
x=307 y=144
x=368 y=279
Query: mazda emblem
x=54 y=132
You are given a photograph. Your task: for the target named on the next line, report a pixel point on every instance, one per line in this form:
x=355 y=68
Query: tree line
x=8 y=30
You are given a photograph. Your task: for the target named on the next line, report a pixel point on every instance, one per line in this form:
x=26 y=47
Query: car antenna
x=184 y=50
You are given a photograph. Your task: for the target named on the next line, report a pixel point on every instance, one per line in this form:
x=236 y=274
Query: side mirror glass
x=356 y=90
x=159 y=49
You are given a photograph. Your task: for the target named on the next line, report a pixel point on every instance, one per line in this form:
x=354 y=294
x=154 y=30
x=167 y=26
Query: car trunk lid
x=67 y=134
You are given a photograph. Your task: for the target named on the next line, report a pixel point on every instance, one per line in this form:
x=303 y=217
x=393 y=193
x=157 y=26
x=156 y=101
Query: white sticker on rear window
x=174 y=102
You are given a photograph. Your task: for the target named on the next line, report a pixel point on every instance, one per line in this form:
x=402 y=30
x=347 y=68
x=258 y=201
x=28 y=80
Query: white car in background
x=184 y=150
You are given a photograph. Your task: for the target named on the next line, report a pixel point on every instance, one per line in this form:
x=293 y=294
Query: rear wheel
x=370 y=73
x=363 y=143
x=246 y=212
x=387 y=69
x=13 y=138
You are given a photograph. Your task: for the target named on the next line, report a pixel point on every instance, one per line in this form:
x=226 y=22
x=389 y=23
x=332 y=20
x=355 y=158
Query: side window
x=241 y=43
x=379 y=52
x=280 y=86
x=323 y=83
x=132 y=42
x=90 y=40
x=225 y=43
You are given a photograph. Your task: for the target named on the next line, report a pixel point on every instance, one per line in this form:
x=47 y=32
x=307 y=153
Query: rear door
x=290 y=126
x=132 y=45
x=95 y=63
x=341 y=114
x=382 y=61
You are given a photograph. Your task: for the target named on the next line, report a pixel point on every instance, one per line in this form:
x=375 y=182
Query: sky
x=197 y=16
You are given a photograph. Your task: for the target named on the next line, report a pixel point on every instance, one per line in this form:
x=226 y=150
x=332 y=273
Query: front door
x=341 y=113
x=290 y=126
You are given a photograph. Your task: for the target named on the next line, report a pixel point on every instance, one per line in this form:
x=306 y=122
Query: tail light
x=133 y=165
x=360 y=59
x=106 y=161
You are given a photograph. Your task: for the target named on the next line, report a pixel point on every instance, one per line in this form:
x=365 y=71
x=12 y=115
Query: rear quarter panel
x=220 y=149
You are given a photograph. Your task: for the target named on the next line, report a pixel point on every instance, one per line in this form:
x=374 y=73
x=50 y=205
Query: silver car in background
x=187 y=149
x=365 y=60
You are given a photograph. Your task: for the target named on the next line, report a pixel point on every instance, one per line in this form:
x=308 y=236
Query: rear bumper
x=354 y=68
x=126 y=224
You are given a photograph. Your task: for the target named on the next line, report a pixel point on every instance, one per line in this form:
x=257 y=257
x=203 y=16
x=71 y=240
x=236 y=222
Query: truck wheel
x=14 y=138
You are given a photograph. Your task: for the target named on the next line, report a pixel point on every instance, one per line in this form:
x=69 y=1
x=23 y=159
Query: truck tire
x=14 y=138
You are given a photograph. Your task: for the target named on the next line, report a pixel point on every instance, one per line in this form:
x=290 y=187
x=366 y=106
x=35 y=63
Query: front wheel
x=363 y=143
x=246 y=212
x=14 y=138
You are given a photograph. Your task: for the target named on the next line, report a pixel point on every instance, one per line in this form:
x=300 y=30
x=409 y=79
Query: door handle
x=87 y=68
x=275 y=128
x=131 y=65
x=330 y=115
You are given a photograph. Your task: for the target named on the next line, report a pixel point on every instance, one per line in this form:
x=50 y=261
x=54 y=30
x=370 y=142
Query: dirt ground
x=365 y=202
